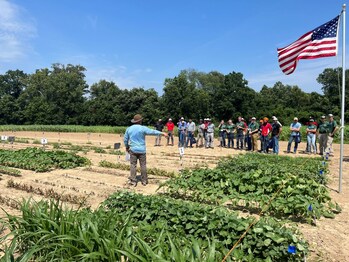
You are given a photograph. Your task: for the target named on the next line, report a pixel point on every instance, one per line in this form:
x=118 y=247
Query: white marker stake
x=44 y=142
x=181 y=154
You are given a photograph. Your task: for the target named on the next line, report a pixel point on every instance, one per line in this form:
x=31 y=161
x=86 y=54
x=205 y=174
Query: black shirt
x=276 y=129
x=159 y=126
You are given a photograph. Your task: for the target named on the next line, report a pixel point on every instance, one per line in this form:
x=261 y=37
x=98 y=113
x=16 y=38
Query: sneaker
x=131 y=183
x=144 y=183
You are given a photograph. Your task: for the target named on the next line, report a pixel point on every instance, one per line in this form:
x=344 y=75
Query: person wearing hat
x=322 y=131
x=210 y=134
x=295 y=136
x=170 y=126
x=158 y=126
x=222 y=127
x=182 y=131
x=266 y=129
x=275 y=135
x=134 y=140
x=253 y=128
x=200 y=137
x=332 y=129
x=311 y=136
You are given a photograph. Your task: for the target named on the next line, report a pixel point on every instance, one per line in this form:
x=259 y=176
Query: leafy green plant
x=250 y=180
x=39 y=160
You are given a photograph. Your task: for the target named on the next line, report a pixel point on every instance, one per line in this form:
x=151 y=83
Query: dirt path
x=329 y=240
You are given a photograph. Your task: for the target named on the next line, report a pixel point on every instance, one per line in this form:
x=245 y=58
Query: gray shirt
x=210 y=128
x=191 y=127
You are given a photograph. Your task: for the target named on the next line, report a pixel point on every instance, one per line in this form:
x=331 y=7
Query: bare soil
x=329 y=239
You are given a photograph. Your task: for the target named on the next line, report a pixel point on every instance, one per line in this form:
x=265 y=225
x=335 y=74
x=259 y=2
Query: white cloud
x=16 y=28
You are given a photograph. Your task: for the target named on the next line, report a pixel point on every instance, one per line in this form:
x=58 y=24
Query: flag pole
x=343 y=102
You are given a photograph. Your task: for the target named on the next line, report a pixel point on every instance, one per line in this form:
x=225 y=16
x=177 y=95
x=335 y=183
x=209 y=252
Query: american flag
x=320 y=42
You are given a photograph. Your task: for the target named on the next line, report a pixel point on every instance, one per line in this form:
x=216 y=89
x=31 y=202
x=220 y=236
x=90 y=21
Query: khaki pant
x=158 y=140
x=133 y=169
x=200 y=138
x=329 y=148
x=209 y=139
x=322 y=143
x=254 y=141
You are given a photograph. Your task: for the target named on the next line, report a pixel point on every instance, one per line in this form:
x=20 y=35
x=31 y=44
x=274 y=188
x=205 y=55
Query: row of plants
x=39 y=160
x=150 y=171
x=250 y=181
x=10 y=171
x=134 y=227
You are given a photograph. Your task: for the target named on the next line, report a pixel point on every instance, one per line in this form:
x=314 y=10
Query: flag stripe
x=320 y=42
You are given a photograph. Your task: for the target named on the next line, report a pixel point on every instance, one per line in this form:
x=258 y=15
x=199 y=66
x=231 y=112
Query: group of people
x=245 y=134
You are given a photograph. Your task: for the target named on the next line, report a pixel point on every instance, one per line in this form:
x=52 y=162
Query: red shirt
x=266 y=128
x=170 y=126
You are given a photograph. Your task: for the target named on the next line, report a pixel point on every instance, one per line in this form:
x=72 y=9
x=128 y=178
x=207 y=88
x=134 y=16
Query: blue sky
x=139 y=43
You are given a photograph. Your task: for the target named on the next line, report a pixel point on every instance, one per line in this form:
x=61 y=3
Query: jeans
x=292 y=138
x=133 y=169
x=311 y=143
x=265 y=142
x=275 y=141
x=222 y=138
x=249 y=142
x=190 y=139
x=240 y=140
x=181 y=142
x=230 y=139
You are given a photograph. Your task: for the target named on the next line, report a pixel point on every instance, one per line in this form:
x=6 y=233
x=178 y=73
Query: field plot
x=102 y=179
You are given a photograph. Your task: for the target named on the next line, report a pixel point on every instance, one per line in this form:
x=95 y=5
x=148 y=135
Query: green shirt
x=311 y=127
x=331 y=126
x=323 y=127
x=230 y=128
x=240 y=124
x=222 y=127
x=253 y=126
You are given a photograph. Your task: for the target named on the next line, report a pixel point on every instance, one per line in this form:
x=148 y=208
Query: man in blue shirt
x=295 y=136
x=134 y=141
x=182 y=131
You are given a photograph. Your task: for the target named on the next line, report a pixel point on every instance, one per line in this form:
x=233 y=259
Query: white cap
x=182 y=118
x=170 y=119
x=330 y=115
x=275 y=119
x=253 y=118
x=295 y=118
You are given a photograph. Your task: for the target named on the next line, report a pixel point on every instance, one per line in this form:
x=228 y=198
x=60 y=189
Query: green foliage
x=41 y=161
x=251 y=180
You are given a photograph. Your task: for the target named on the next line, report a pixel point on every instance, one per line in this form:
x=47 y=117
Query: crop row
x=145 y=228
x=39 y=160
x=251 y=180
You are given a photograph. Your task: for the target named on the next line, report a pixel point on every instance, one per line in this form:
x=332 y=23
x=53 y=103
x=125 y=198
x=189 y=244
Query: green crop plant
x=39 y=160
x=251 y=180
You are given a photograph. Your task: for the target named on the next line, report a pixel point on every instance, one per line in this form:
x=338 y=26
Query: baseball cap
x=296 y=118
x=182 y=118
x=253 y=118
x=170 y=119
x=323 y=117
x=275 y=119
x=330 y=115
x=311 y=120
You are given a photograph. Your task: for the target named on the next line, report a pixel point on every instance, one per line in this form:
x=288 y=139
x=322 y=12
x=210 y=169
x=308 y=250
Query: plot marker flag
x=320 y=42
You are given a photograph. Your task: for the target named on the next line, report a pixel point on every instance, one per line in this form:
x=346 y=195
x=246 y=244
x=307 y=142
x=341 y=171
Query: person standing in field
x=266 y=129
x=191 y=127
x=332 y=129
x=182 y=131
x=311 y=136
x=210 y=134
x=322 y=131
x=240 y=128
x=253 y=129
x=170 y=126
x=200 y=137
x=230 y=133
x=159 y=126
x=222 y=132
x=295 y=136
x=275 y=135
x=134 y=140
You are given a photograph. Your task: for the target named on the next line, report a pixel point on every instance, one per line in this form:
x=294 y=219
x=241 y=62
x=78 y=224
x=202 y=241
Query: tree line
x=60 y=95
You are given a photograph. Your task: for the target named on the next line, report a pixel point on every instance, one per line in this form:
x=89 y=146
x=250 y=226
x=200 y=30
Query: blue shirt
x=295 y=125
x=182 y=126
x=135 y=137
